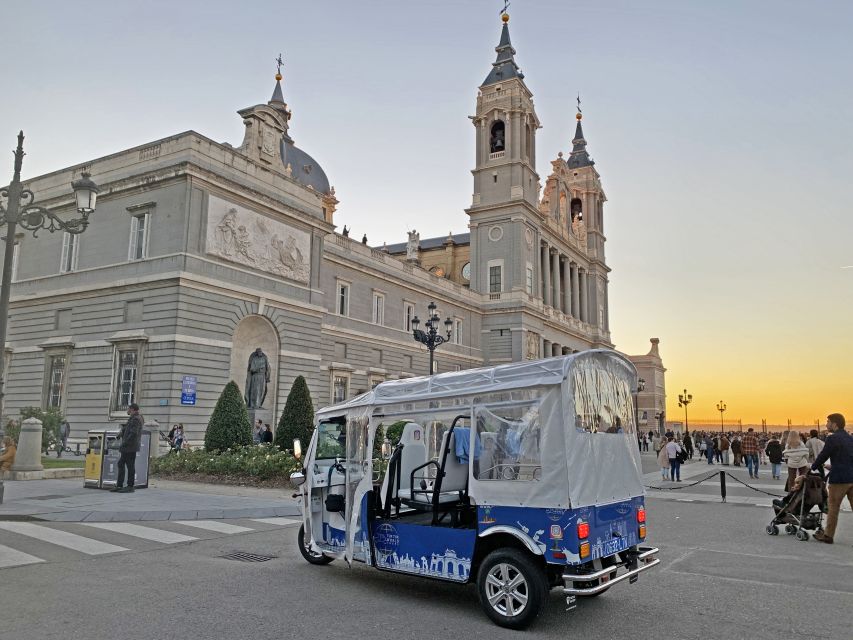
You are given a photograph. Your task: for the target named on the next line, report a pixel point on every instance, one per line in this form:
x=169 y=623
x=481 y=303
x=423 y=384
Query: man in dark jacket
x=839 y=451
x=131 y=439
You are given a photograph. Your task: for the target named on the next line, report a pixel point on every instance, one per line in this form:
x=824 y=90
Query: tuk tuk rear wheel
x=511 y=587
x=307 y=553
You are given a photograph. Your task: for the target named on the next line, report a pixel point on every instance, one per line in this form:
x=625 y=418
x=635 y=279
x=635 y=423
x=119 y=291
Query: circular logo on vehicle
x=386 y=540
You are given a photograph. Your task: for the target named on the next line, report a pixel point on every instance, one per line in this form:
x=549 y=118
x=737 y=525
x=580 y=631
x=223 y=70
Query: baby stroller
x=797 y=509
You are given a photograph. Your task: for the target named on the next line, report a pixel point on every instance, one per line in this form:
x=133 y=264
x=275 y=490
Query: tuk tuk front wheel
x=307 y=553
x=511 y=587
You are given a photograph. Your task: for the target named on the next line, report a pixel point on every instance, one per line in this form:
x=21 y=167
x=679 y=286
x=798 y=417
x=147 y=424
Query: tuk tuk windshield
x=331 y=440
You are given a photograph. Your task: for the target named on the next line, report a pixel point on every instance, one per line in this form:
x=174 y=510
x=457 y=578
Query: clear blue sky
x=722 y=131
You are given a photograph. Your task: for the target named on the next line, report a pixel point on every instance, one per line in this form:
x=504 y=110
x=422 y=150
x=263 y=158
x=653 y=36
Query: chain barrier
x=716 y=474
x=686 y=486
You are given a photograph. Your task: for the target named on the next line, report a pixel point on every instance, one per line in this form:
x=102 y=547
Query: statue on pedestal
x=257 y=378
x=413 y=245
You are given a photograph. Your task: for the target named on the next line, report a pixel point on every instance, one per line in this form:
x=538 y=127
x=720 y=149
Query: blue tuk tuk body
x=520 y=478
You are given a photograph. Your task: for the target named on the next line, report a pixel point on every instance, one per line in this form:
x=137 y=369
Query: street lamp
x=431 y=337
x=721 y=407
x=641 y=385
x=683 y=400
x=20 y=210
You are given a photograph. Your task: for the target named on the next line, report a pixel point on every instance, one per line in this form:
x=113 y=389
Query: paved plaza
x=67 y=550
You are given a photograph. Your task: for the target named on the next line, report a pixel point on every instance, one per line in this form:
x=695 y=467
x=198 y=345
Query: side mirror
x=297 y=478
x=297 y=450
x=386 y=449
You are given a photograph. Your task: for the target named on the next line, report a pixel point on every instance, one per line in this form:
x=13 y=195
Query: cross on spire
x=506 y=6
x=579 y=103
x=279 y=61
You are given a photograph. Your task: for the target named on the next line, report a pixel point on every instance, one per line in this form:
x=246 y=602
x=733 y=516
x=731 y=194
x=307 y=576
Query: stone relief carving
x=245 y=237
x=531 y=350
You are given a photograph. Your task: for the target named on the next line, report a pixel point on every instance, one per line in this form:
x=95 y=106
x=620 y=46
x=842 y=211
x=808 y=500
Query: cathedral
x=204 y=258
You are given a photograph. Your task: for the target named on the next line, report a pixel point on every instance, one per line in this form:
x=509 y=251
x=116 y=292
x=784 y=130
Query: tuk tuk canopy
x=555 y=433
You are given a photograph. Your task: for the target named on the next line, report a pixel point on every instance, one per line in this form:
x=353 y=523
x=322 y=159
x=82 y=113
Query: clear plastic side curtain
x=601 y=440
x=359 y=479
x=517 y=447
x=307 y=515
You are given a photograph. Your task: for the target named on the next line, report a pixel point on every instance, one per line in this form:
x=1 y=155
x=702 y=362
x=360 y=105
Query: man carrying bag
x=130 y=438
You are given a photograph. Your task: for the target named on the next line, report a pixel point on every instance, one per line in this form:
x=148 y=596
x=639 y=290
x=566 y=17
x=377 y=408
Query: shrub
x=395 y=431
x=50 y=420
x=297 y=419
x=261 y=461
x=229 y=423
x=13 y=429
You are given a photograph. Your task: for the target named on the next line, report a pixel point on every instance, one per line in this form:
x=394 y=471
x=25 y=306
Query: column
x=546 y=270
x=567 y=293
x=556 y=349
x=546 y=348
x=584 y=282
x=576 y=305
x=555 y=268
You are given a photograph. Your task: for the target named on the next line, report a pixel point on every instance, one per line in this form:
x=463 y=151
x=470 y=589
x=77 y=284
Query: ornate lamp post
x=431 y=338
x=683 y=400
x=641 y=384
x=20 y=210
x=721 y=407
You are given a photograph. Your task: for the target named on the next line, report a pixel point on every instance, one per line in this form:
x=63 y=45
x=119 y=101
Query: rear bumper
x=640 y=560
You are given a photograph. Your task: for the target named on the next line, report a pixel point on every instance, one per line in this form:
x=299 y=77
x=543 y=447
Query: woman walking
x=663 y=463
x=796 y=456
x=774 y=454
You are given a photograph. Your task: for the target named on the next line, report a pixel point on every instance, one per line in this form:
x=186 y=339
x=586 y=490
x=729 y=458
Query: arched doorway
x=252 y=332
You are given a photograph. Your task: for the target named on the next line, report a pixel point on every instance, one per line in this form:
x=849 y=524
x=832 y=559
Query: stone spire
x=579 y=156
x=504 y=66
x=277 y=101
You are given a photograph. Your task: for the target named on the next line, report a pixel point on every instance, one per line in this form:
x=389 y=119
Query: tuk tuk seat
x=451 y=486
x=413 y=454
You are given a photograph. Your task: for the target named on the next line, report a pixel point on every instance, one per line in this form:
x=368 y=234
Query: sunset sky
x=721 y=130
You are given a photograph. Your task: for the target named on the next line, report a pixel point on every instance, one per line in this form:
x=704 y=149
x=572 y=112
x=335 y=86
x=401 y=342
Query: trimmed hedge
x=262 y=461
x=229 y=424
x=297 y=419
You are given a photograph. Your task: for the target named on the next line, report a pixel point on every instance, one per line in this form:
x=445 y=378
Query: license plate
x=605 y=578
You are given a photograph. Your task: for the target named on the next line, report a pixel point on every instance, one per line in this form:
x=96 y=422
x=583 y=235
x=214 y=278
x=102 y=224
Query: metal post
x=723 y=485
x=13 y=194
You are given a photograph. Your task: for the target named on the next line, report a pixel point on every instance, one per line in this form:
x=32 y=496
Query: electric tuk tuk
x=521 y=478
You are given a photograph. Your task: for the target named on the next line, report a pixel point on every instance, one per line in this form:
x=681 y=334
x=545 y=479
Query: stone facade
x=199 y=252
x=651 y=401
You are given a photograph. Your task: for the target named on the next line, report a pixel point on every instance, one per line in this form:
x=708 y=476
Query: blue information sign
x=188 y=390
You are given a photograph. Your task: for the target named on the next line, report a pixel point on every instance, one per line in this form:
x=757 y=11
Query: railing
x=496 y=155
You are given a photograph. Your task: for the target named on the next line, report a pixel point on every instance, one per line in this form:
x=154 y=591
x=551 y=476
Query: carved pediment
x=265 y=128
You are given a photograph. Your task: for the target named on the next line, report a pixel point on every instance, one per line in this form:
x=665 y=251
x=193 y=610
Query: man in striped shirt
x=749 y=447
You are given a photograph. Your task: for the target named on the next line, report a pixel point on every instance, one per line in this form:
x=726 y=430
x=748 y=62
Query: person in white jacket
x=796 y=457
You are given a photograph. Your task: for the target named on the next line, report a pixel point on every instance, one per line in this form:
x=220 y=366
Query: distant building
x=651 y=401
x=200 y=252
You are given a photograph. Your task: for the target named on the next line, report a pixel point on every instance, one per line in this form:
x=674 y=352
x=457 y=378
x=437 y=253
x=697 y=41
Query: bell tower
x=506 y=125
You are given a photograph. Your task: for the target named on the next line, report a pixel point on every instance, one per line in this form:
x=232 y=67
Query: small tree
x=297 y=419
x=50 y=419
x=229 y=423
x=394 y=431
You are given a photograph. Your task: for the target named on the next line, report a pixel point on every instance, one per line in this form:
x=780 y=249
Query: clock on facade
x=466 y=271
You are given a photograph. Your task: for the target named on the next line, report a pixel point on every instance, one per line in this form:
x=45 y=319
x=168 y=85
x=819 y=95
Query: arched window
x=577 y=209
x=497 y=137
x=529 y=142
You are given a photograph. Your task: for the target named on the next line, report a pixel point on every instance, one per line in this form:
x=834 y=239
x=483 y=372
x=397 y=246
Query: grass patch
x=72 y=462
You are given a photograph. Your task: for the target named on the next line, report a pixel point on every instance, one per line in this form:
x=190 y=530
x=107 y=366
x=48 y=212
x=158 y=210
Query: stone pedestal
x=264 y=415
x=159 y=447
x=28 y=457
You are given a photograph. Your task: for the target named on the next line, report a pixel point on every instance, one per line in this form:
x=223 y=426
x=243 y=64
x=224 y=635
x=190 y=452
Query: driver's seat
x=412 y=454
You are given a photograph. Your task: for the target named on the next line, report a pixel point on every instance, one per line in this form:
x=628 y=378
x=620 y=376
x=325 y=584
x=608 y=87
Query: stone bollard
x=28 y=457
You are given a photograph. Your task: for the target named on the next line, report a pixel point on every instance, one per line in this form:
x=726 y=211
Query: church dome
x=303 y=168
